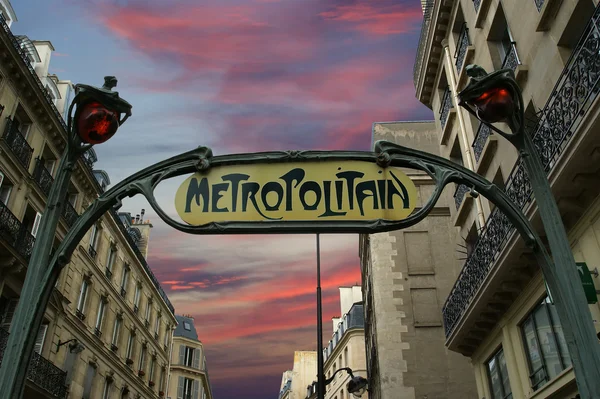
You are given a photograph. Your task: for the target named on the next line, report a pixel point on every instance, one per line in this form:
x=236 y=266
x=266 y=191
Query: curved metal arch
x=442 y=171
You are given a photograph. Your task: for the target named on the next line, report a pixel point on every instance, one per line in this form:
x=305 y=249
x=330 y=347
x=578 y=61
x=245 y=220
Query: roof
x=183 y=323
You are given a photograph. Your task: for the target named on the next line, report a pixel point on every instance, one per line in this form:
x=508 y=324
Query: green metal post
x=564 y=281
x=28 y=315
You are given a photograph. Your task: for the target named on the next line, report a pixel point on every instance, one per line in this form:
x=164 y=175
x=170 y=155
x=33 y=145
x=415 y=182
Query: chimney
x=137 y=218
x=142 y=216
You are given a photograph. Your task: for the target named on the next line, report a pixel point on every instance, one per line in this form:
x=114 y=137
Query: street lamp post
x=496 y=97
x=97 y=117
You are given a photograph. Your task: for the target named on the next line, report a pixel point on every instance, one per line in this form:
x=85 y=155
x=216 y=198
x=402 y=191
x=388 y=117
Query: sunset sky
x=240 y=76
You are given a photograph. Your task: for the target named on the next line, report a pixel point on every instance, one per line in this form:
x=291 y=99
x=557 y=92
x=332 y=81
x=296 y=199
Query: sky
x=240 y=76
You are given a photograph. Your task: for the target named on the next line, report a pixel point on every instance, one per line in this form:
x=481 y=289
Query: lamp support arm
x=346 y=369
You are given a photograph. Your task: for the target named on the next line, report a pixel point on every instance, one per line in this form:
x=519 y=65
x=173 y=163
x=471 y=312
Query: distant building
x=107 y=329
x=406 y=275
x=303 y=372
x=188 y=374
x=346 y=347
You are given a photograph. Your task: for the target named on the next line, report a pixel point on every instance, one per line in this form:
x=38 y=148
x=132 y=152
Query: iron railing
x=69 y=213
x=15 y=232
x=42 y=176
x=511 y=60
x=476 y=4
x=17 y=143
x=459 y=194
x=461 y=47
x=539 y=4
x=429 y=4
x=92 y=251
x=575 y=91
x=141 y=258
x=446 y=106
x=483 y=132
x=41 y=372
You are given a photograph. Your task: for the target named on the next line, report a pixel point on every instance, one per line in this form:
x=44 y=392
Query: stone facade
x=406 y=276
x=499 y=313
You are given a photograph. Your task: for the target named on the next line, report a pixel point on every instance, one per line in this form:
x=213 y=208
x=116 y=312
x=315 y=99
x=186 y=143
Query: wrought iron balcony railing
x=446 y=106
x=511 y=60
x=576 y=89
x=15 y=233
x=69 y=213
x=41 y=371
x=92 y=251
x=42 y=176
x=461 y=47
x=423 y=39
x=483 y=132
x=17 y=143
x=476 y=4
x=459 y=194
x=539 y=4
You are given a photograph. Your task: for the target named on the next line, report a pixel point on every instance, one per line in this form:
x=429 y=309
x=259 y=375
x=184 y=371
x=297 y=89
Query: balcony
x=481 y=139
x=573 y=95
x=539 y=4
x=476 y=4
x=459 y=195
x=446 y=107
x=17 y=143
x=15 y=233
x=42 y=177
x=461 y=47
x=69 y=214
x=511 y=60
x=355 y=318
x=42 y=372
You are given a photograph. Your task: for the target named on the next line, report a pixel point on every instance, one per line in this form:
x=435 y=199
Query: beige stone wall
x=409 y=273
x=304 y=373
x=349 y=352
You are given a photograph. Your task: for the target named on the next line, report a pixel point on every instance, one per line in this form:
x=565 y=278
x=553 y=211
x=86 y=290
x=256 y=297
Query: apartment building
x=346 y=348
x=294 y=382
x=108 y=327
x=406 y=275
x=499 y=313
x=189 y=373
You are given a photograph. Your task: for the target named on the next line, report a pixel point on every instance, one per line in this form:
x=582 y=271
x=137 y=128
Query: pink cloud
x=367 y=18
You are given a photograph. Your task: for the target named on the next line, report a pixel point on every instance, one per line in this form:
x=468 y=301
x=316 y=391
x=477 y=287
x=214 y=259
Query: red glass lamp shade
x=494 y=105
x=96 y=123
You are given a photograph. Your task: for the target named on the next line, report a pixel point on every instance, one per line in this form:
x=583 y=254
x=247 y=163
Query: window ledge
x=482 y=13
x=448 y=126
x=487 y=154
x=463 y=210
x=547 y=14
x=554 y=385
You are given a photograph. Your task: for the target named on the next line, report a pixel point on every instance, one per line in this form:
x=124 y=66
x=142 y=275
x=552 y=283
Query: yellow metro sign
x=296 y=191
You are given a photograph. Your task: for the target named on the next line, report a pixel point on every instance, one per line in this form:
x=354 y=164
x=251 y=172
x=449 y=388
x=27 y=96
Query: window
x=152 y=363
x=161 y=381
x=187 y=388
x=8 y=313
x=187 y=326
x=124 y=280
x=157 y=326
x=166 y=336
x=36 y=223
x=547 y=352
x=107 y=386
x=73 y=199
x=89 y=379
x=142 y=358
x=136 y=298
x=82 y=296
x=94 y=238
x=148 y=309
x=116 y=331
x=39 y=340
x=5 y=189
x=188 y=356
x=498 y=376
x=346 y=364
x=340 y=363
x=130 y=343
x=100 y=316
x=112 y=254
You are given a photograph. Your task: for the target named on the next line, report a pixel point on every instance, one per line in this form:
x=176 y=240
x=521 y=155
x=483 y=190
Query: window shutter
x=196 y=360
x=9 y=313
x=39 y=340
x=180 y=388
x=195 y=389
x=181 y=354
x=36 y=224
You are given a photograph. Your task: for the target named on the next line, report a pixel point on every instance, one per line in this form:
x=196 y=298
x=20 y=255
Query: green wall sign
x=586 y=281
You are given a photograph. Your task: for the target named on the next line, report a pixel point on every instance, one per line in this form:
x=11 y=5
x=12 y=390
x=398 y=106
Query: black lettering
x=381 y=189
x=392 y=190
x=368 y=186
x=350 y=176
x=196 y=190
x=296 y=175
x=249 y=191
x=339 y=185
x=272 y=186
x=217 y=189
x=305 y=188
x=327 y=193
x=235 y=179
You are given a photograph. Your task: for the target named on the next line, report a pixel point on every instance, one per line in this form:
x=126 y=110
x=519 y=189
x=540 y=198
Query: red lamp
x=96 y=123
x=494 y=105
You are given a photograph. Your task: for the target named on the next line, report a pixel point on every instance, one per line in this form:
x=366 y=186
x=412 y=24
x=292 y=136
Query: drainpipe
x=462 y=133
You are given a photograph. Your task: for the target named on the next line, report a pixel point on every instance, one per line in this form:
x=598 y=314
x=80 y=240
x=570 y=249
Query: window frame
x=83 y=293
x=496 y=357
